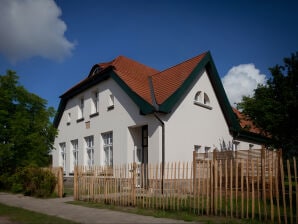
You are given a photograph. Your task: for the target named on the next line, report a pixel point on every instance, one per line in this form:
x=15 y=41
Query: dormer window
x=111 y=102
x=96 y=70
x=202 y=99
x=81 y=110
x=94 y=104
x=68 y=118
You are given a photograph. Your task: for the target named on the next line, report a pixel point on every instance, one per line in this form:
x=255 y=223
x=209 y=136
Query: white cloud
x=31 y=28
x=241 y=81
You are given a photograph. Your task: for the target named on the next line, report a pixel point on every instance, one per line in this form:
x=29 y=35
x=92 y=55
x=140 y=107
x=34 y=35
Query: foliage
x=34 y=181
x=26 y=133
x=274 y=106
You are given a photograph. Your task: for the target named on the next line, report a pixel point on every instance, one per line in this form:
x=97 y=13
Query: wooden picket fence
x=239 y=188
x=58 y=172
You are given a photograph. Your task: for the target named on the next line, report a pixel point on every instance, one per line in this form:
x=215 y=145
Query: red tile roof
x=246 y=123
x=134 y=74
x=165 y=83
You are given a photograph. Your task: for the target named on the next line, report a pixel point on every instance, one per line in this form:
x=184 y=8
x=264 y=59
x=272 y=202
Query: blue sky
x=52 y=45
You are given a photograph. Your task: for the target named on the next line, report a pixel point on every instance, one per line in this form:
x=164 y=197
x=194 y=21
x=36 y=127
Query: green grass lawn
x=180 y=215
x=22 y=216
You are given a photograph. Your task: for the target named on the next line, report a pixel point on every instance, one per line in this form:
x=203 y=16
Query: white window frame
x=111 y=102
x=81 y=108
x=107 y=139
x=236 y=145
x=197 y=148
x=207 y=150
x=63 y=154
x=95 y=103
x=68 y=118
x=90 y=150
x=75 y=152
x=202 y=99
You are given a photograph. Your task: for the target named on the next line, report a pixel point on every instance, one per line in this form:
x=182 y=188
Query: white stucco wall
x=190 y=124
x=187 y=125
x=124 y=117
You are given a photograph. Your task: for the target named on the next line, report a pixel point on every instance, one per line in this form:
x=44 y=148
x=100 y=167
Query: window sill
x=110 y=107
x=80 y=120
x=94 y=115
x=202 y=105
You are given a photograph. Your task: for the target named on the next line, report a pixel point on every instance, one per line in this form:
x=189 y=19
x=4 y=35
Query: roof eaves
x=77 y=89
x=154 y=103
x=254 y=137
x=169 y=103
x=207 y=63
x=145 y=107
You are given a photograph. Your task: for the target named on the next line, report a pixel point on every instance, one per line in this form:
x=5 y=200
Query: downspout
x=162 y=151
x=163 y=132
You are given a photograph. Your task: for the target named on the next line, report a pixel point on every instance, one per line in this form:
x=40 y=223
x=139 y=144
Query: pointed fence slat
x=245 y=187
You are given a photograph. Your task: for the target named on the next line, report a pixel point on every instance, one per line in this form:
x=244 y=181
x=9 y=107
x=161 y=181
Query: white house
x=127 y=112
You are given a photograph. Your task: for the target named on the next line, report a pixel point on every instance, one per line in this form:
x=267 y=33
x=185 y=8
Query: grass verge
x=179 y=215
x=19 y=215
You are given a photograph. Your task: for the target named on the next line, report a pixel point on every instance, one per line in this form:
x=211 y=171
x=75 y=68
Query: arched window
x=202 y=99
x=198 y=97
x=206 y=99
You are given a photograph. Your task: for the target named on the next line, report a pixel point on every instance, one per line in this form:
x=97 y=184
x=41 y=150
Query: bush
x=33 y=181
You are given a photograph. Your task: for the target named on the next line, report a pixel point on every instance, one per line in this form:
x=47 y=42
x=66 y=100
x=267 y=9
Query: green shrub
x=33 y=181
x=5 y=181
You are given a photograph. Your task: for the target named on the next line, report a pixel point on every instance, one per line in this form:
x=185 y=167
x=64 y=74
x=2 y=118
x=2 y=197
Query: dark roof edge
x=144 y=106
x=208 y=64
x=253 y=137
x=166 y=107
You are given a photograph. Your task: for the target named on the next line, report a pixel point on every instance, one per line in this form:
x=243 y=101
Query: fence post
x=296 y=187
x=134 y=167
x=194 y=172
x=290 y=191
x=283 y=190
x=60 y=182
x=75 y=183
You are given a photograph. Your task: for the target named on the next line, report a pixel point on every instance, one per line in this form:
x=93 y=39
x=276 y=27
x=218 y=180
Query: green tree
x=274 y=106
x=26 y=132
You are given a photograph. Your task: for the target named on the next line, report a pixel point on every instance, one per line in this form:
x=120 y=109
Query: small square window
x=197 y=148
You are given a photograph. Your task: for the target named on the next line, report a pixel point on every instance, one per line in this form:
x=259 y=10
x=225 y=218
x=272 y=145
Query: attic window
x=202 y=99
x=96 y=70
x=111 y=102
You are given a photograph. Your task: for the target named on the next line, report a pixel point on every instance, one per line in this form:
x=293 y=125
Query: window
x=235 y=145
x=94 y=104
x=108 y=148
x=75 y=152
x=68 y=118
x=197 y=148
x=202 y=99
x=207 y=150
x=111 y=102
x=90 y=150
x=198 y=97
x=251 y=146
x=96 y=70
x=81 y=110
x=206 y=99
x=63 y=155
